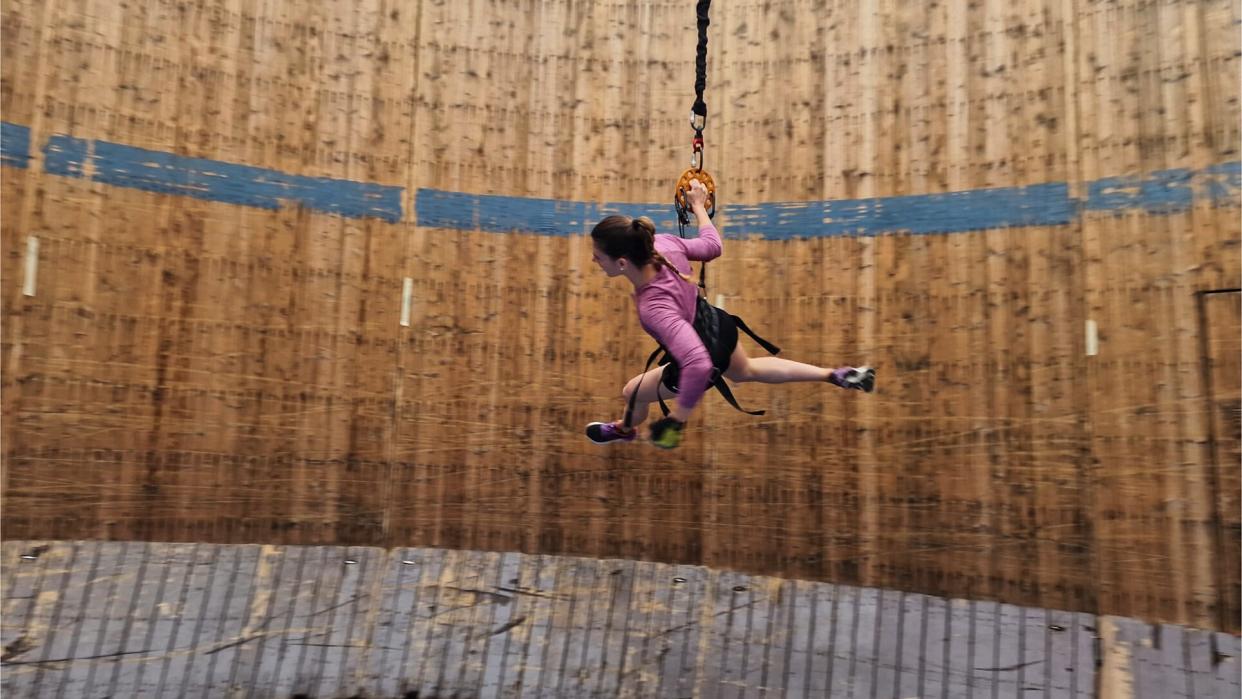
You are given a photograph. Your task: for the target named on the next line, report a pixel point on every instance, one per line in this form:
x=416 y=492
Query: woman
x=658 y=266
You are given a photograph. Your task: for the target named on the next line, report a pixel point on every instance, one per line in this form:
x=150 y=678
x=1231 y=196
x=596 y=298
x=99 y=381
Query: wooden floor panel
x=134 y=619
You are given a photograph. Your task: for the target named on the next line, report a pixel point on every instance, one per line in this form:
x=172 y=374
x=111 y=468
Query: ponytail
x=659 y=260
x=647 y=228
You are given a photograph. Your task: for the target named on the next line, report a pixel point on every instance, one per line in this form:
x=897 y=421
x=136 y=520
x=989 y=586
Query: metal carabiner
x=698 y=122
x=696 y=156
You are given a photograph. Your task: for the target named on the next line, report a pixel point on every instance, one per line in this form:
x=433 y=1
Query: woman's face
x=612 y=267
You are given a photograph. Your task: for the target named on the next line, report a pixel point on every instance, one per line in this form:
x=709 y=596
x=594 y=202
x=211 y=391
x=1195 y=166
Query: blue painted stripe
x=938 y=213
x=14 y=145
x=1223 y=182
x=1162 y=192
x=65 y=156
x=214 y=180
x=500 y=214
x=211 y=180
x=1167 y=191
x=1037 y=205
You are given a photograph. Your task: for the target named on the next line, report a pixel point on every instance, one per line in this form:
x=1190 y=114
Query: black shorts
x=718 y=331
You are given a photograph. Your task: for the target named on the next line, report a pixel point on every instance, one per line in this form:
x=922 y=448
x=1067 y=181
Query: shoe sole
x=607 y=441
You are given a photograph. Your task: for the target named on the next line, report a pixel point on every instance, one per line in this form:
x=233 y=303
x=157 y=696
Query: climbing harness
x=718 y=331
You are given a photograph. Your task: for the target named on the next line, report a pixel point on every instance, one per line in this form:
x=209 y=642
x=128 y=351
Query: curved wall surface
x=317 y=273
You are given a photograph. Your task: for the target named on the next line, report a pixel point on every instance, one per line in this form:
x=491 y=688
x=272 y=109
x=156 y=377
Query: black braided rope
x=700 y=61
x=699 y=108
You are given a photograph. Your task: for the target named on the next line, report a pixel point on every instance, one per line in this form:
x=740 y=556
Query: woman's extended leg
x=771 y=369
x=777 y=370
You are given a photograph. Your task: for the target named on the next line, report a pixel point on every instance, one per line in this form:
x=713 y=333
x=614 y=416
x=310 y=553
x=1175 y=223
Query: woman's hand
x=666 y=433
x=697 y=196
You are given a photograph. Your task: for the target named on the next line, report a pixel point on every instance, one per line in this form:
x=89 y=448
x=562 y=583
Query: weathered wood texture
x=129 y=619
x=1166 y=661
x=202 y=370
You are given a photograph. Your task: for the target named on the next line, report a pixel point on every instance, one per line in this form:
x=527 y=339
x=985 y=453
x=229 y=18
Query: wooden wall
x=198 y=370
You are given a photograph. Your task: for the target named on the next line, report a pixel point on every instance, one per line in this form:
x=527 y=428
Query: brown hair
x=632 y=238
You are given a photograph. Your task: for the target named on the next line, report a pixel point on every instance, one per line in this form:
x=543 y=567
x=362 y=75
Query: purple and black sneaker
x=858 y=378
x=605 y=432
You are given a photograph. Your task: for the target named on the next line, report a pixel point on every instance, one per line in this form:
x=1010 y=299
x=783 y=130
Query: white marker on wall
x=1093 y=339
x=32 y=265
x=407 y=293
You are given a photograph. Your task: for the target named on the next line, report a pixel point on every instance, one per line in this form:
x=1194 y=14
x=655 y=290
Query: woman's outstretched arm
x=708 y=245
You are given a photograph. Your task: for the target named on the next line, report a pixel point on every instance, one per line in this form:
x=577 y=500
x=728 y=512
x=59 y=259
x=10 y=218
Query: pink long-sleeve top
x=666 y=306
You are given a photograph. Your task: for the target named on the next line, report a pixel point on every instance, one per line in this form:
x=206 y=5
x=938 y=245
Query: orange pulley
x=683 y=188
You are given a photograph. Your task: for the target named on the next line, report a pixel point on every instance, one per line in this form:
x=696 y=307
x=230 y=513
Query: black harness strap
x=629 y=408
x=723 y=387
x=663 y=407
x=771 y=348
